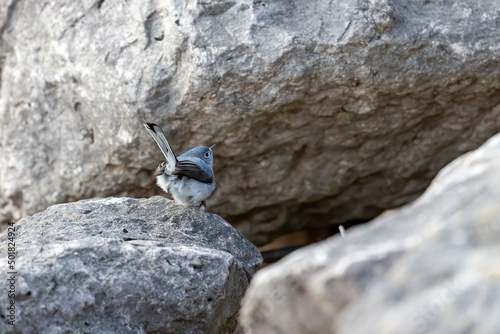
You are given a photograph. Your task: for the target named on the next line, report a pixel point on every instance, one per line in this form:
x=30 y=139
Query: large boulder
x=122 y=265
x=430 y=267
x=327 y=111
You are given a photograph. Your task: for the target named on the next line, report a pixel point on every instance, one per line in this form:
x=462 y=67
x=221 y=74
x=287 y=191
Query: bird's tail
x=157 y=133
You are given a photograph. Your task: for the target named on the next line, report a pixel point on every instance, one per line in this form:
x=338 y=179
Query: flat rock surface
x=326 y=111
x=429 y=267
x=123 y=265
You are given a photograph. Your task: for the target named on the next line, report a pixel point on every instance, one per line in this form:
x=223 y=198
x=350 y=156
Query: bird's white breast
x=185 y=190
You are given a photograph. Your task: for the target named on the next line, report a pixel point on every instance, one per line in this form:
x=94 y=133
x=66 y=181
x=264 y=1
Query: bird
x=189 y=178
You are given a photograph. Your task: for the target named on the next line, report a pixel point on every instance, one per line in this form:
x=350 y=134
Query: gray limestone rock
x=327 y=111
x=122 y=265
x=429 y=267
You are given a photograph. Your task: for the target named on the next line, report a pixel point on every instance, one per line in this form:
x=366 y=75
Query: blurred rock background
x=327 y=112
x=429 y=267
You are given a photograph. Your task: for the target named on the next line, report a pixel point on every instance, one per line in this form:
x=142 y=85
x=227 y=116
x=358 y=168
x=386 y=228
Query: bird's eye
x=207 y=155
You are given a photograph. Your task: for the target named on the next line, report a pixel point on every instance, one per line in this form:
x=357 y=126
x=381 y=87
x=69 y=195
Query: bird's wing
x=160 y=170
x=157 y=133
x=192 y=170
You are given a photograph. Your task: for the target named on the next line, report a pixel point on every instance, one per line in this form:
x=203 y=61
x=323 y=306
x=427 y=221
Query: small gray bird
x=189 y=178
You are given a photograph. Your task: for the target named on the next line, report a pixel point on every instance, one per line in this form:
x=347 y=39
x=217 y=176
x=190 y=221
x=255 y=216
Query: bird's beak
x=211 y=147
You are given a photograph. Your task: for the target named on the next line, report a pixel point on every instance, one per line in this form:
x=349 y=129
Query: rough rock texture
x=327 y=111
x=122 y=265
x=430 y=267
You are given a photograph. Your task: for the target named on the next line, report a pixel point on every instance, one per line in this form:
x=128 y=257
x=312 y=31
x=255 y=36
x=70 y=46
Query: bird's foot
x=203 y=206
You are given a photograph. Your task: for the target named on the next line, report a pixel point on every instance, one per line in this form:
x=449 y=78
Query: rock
x=429 y=267
x=326 y=112
x=123 y=265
